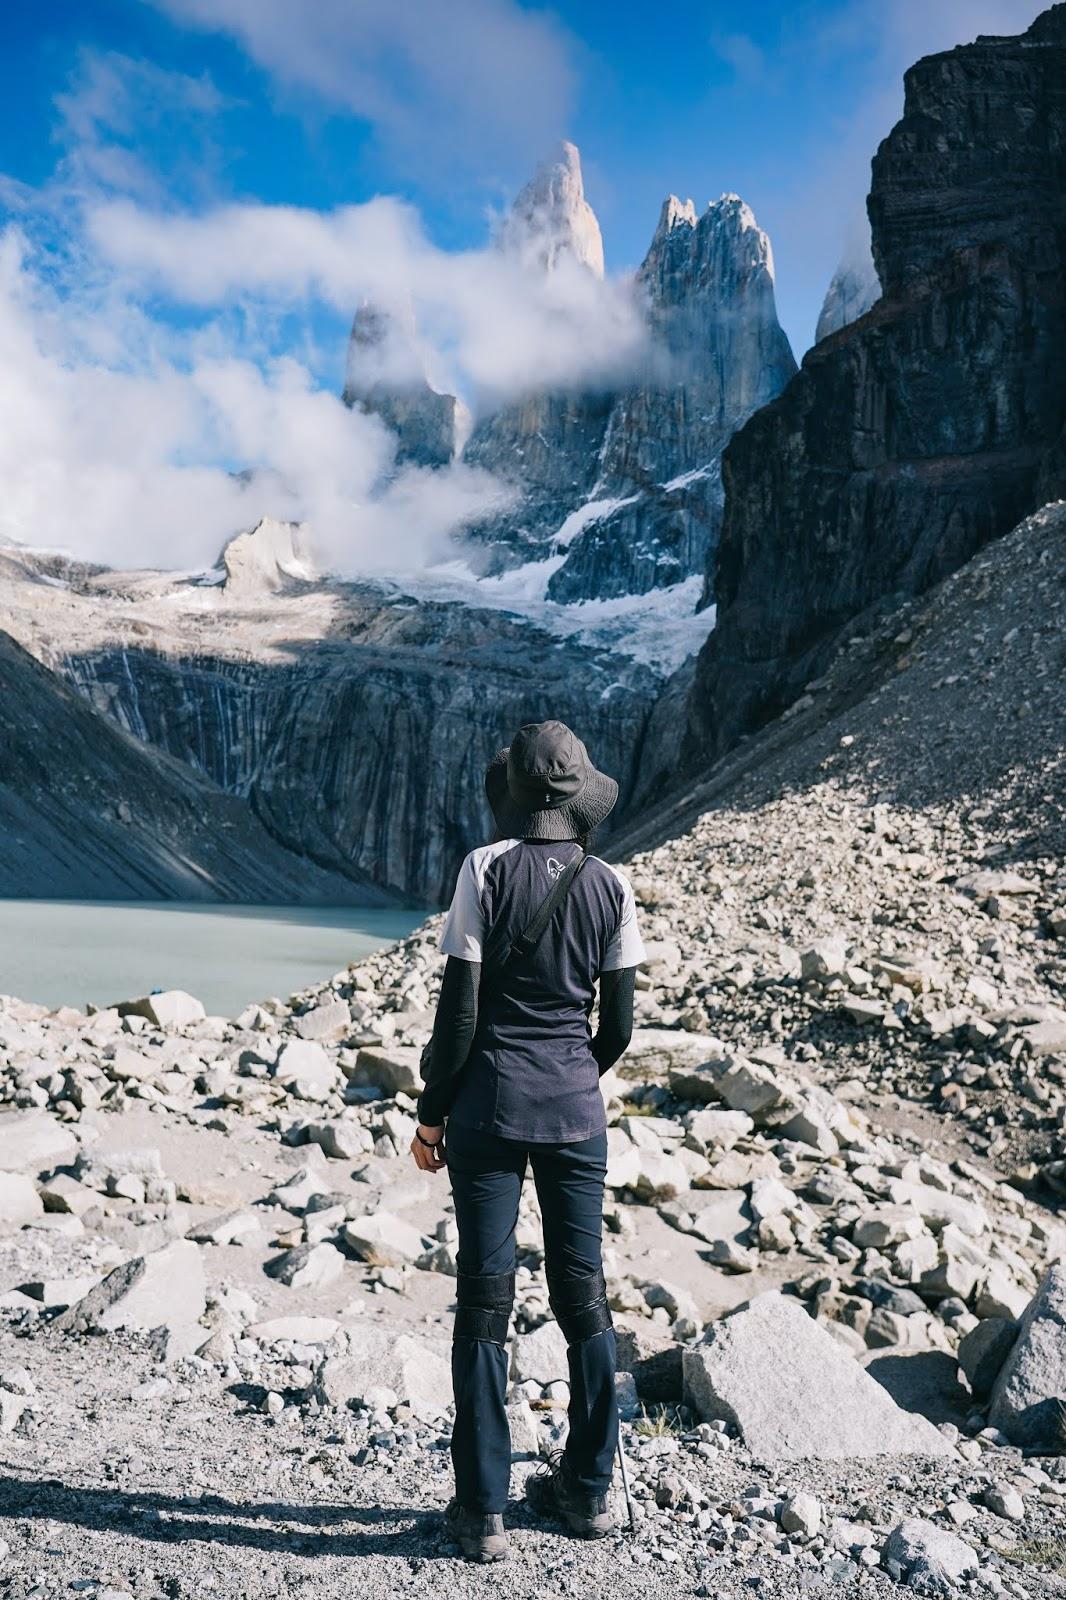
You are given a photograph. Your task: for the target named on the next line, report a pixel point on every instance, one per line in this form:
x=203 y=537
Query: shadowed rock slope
x=909 y=813
x=86 y=812
x=935 y=422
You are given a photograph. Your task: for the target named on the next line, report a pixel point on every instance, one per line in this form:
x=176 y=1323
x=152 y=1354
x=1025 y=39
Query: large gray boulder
x=927 y=1558
x=304 y=1068
x=384 y=1240
x=170 y=1008
x=541 y=1355
x=162 y=1290
x=983 y=1351
x=1029 y=1397
x=34 y=1141
x=794 y=1393
x=394 y=1069
x=416 y=1369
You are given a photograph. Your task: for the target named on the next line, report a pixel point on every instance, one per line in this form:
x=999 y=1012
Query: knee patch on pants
x=579 y=1305
x=483 y=1306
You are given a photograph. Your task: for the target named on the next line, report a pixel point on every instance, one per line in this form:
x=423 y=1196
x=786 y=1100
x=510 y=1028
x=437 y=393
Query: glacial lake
x=70 y=952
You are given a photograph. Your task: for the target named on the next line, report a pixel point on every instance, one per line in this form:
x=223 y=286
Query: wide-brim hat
x=543 y=785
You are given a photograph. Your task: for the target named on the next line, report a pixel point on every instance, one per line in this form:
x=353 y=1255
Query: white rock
x=384 y=1240
x=342 y=1139
x=802 y=1513
x=930 y=1559
x=1005 y=1501
x=11 y=1408
x=416 y=1369
x=540 y=1355
x=295 y=1330
x=623 y=1160
x=163 y=1289
x=19 y=1201
x=660 y=1177
x=793 y=1392
x=395 y=1070
x=525 y=1431
x=232 y=1227
x=305 y=1068
x=34 y=1141
x=329 y=1020
x=309 y=1266
x=1031 y=1387
x=172 y=1008
x=296 y=1191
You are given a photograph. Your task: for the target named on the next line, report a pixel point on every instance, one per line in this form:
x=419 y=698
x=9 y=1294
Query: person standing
x=511 y=1078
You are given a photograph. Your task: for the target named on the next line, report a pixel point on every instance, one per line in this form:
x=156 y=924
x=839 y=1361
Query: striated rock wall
x=365 y=750
x=88 y=813
x=932 y=424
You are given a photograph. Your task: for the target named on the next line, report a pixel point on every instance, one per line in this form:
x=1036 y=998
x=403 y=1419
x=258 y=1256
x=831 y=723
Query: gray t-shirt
x=531 y=1074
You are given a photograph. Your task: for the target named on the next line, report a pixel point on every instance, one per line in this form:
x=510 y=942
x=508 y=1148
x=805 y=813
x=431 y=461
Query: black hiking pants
x=486 y=1174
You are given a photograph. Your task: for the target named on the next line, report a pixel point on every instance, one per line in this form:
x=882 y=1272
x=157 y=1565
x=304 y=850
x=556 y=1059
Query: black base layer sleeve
x=615 y=1027
x=453 y=1034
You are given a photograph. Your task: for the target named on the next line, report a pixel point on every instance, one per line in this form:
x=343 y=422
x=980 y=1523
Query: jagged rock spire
x=386 y=376
x=551 y=219
x=852 y=291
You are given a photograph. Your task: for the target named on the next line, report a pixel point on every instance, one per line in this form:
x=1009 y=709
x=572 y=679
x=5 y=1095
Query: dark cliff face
x=88 y=813
x=365 y=751
x=932 y=424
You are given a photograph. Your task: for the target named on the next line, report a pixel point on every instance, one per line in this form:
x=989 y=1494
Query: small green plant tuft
x=661 y=1423
x=1048 y=1553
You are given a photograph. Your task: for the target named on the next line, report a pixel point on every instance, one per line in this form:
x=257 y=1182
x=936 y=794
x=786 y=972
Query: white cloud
x=478 y=84
x=489 y=327
x=114 y=449
x=109 y=106
x=169 y=376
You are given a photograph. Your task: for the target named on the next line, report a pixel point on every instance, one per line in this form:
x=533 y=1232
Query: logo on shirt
x=554 y=867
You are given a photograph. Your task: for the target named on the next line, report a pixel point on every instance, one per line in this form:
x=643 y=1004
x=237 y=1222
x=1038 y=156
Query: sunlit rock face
x=716 y=353
x=937 y=421
x=266 y=558
x=620 y=491
x=551 y=219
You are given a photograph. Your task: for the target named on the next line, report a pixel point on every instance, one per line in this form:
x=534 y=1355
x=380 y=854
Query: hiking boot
x=553 y=1492
x=481 y=1536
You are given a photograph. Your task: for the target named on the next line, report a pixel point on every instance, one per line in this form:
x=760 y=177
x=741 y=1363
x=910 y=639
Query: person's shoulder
x=613 y=874
x=478 y=861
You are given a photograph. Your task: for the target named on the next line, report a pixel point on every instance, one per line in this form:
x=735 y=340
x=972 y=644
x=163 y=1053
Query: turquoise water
x=71 y=952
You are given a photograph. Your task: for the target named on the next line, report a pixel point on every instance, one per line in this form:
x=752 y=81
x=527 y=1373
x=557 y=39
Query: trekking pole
x=625 y=1485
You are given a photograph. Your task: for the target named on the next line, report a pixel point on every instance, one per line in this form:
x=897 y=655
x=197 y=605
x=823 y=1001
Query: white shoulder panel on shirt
x=626 y=948
x=463 y=933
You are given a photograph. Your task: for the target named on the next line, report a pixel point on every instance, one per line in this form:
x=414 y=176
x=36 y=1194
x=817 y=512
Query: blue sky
x=781 y=102
x=196 y=194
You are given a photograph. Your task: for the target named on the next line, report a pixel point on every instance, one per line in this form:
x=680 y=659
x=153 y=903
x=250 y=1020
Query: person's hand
x=427 y=1158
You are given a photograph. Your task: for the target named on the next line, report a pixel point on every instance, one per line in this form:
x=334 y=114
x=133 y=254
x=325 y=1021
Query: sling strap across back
x=501 y=951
